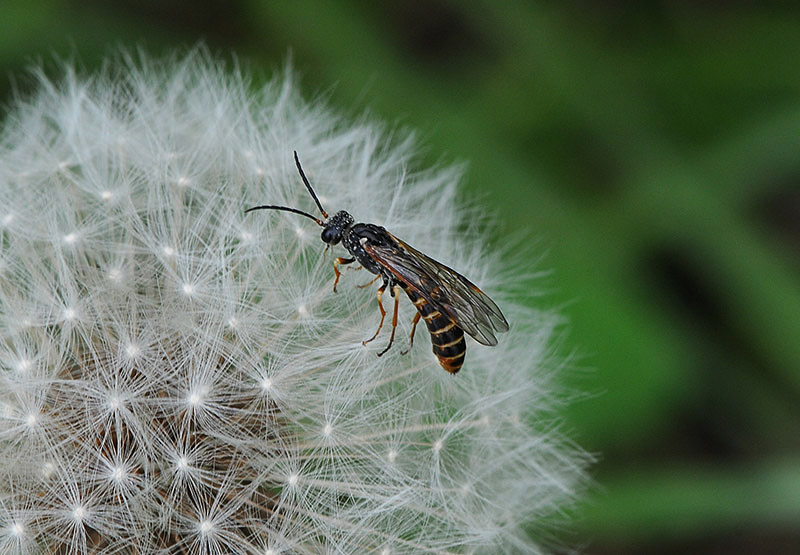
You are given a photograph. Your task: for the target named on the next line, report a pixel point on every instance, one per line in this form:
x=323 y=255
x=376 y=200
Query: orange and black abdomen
x=447 y=338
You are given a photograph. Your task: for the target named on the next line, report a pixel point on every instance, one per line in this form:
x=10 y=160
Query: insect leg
x=336 y=264
x=417 y=316
x=373 y=280
x=381 y=289
x=396 y=295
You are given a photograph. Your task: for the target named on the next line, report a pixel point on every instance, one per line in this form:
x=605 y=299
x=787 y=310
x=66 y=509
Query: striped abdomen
x=446 y=337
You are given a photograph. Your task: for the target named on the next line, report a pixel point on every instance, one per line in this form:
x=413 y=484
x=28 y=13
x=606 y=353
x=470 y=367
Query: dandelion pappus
x=449 y=303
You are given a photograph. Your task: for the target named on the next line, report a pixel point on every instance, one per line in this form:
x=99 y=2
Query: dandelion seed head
x=180 y=376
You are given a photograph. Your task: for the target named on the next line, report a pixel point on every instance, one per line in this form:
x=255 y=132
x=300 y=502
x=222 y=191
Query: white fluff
x=177 y=376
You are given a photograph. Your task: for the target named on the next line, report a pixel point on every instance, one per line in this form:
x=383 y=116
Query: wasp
x=449 y=303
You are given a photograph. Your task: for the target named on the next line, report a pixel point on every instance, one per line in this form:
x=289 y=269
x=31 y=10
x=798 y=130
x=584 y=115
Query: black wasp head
x=336 y=226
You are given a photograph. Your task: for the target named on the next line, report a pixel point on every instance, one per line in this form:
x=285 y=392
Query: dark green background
x=649 y=152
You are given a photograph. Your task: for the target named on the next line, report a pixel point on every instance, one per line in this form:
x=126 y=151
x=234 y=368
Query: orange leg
x=336 y=263
x=381 y=289
x=373 y=280
x=417 y=316
x=396 y=295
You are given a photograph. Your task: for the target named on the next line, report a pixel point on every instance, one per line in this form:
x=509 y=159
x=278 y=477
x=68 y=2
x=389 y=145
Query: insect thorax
x=360 y=234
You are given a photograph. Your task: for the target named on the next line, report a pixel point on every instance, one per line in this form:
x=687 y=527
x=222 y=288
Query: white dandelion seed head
x=140 y=415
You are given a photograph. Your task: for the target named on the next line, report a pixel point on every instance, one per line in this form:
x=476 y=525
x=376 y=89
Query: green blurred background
x=649 y=151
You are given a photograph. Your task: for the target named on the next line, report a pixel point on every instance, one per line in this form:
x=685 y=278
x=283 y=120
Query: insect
x=449 y=303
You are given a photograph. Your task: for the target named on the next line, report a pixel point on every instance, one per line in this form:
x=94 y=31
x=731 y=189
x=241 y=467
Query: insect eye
x=331 y=235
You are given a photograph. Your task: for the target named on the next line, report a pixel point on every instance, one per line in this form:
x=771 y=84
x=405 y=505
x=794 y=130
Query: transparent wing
x=450 y=292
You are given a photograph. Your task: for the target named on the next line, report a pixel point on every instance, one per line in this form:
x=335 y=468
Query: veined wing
x=450 y=292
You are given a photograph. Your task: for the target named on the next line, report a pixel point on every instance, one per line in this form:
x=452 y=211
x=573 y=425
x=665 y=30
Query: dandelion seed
x=182 y=464
x=132 y=350
x=183 y=181
x=106 y=195
x=16 y=529
x=70 y=314
x=437 y=446
x=7 y=219
x=188 y=289
x=168 y=251
x=32 y=419
x=266 y=384
x=23 y=365
x=70 y=238
x=293 y=478
x=206 y=526
x=302 y=311
x=79 y=513
x=327 y=430
x=118 y=474
x=115 y=403
x=195 y=398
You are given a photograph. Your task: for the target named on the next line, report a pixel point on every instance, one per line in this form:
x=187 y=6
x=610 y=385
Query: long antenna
x=287 y=209
x=308 y=185
x=295 y=210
